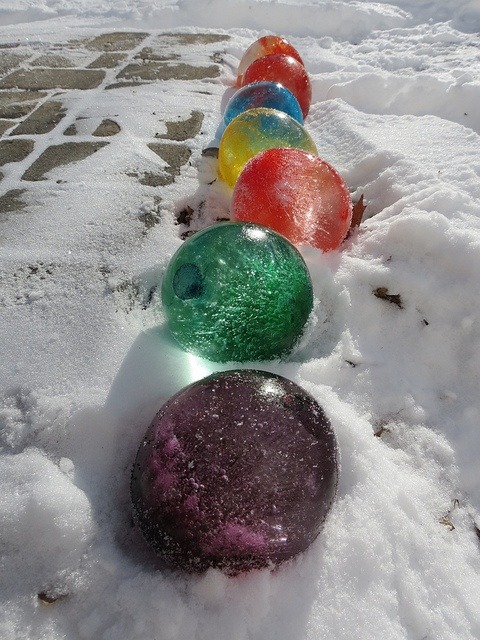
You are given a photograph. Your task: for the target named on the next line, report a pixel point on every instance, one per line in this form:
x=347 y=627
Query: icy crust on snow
x=344 y=20
x=392 y=353
x=347 y=20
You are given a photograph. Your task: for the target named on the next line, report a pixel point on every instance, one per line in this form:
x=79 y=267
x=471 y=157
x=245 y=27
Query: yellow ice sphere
x=256 y=130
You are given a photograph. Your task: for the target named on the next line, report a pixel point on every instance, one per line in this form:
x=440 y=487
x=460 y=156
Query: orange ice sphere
x=287 y=71
x=297 y=194
x=265 y=46
x=253 y=131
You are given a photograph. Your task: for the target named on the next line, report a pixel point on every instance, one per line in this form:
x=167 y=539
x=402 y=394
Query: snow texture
x=392 y=352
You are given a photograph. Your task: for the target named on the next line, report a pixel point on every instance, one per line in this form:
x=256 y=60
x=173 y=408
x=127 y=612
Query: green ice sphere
x=237 y=292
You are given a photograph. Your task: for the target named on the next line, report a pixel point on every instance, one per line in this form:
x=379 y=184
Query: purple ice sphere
x=237 y=471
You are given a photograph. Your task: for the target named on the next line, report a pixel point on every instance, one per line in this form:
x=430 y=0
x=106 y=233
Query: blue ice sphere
x=271 y=95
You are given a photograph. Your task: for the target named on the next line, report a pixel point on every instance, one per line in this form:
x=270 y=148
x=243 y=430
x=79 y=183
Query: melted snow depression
x=106 y=110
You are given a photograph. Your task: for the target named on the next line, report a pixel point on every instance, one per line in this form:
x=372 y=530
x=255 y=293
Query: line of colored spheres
x=238 y=471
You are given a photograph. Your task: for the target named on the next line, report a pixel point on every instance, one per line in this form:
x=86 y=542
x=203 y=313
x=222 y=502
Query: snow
x=86 y=362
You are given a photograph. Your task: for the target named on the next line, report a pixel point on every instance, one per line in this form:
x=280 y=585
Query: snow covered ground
x=393 y=354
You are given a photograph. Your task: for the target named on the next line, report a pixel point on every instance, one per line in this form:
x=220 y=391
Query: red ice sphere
x=264 y=46
x=286 y=70
x=237 y=471
x=295 y=193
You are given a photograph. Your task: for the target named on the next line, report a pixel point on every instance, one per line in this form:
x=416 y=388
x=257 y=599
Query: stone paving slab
x=58 y=155
x=4 y=126
x=107 y=128
x=16 y=104
x=53 y=79
x=107 y=61
x=42 y=120
x=168 y=71
x=9 y=61
x=184 y=129
x=11 y=202
x=118 y=41
x=53 y=61
x=15 y=150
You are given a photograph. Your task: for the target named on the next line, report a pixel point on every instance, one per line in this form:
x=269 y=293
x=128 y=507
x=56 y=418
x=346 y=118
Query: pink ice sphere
x=237 y=471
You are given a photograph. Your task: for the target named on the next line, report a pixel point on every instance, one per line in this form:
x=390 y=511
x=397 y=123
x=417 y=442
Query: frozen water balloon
x=256 y=130
x=265 y=46
x=296 y=193
x=237 y=471
x=271 y=95
x=237 y=292
x=286 y=70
